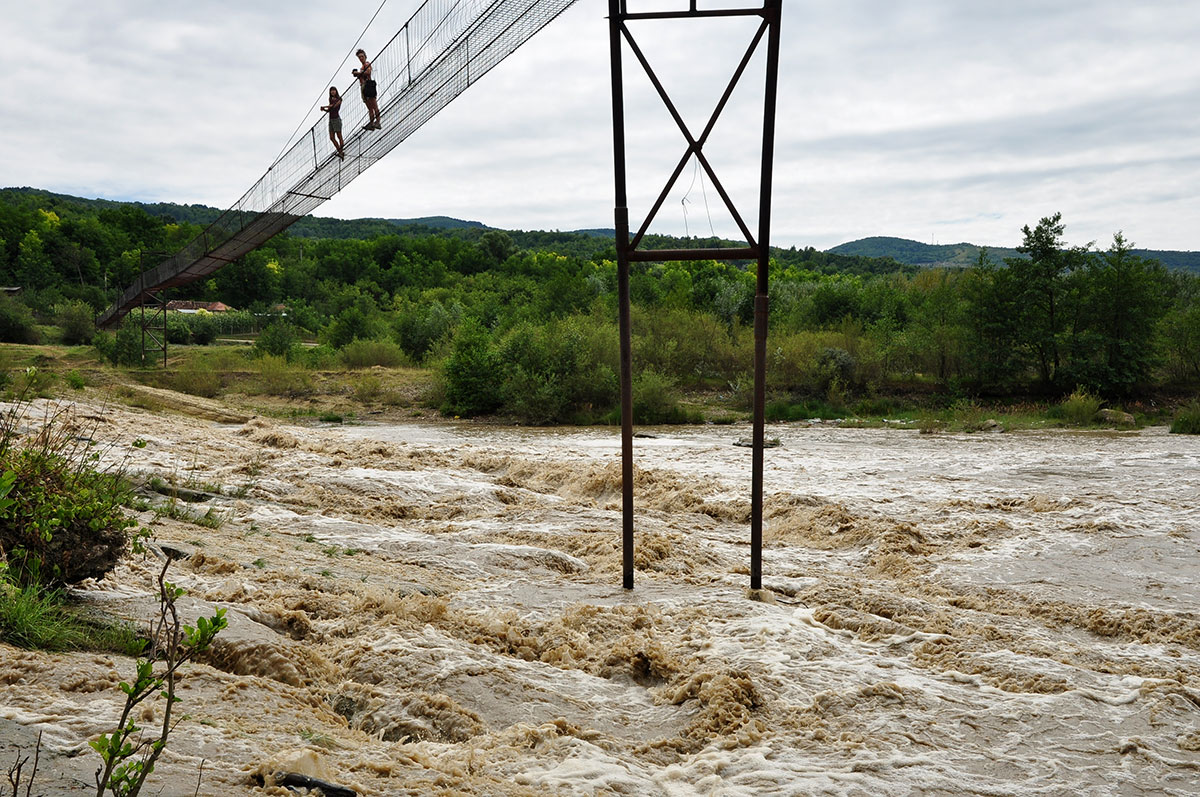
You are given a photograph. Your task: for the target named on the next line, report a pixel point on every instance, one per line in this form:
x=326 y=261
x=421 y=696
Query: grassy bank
x=373 y=381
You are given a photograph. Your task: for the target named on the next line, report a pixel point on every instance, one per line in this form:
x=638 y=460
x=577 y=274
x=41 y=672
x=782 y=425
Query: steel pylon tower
x=756 y=249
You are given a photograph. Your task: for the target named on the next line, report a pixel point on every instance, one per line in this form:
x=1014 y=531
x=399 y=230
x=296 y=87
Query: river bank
x=434 y=608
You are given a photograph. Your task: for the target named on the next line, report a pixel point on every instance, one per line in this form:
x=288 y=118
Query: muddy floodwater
x=433 y=608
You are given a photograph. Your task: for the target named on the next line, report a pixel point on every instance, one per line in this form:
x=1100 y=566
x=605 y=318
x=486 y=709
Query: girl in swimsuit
x=335 y=122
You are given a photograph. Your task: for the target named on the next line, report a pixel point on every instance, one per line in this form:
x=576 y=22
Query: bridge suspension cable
x=441 y=51
x=321 y=95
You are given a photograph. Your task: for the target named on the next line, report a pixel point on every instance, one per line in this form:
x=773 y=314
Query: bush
x=367 y=353
x=419 y=329
x=555 y=372
x=349 y=325
x=16 y=323
x=315 y=358
x=75 y=380
x=368 y=389
x=77 y=322
x=204 y=329
x=123 y=348
x=277 y=339
x=472 y=386
x=1187 y=420
x=655 y=400
x=60 y=520
x=179 y=329
x=1080 y=408
x=800 y=411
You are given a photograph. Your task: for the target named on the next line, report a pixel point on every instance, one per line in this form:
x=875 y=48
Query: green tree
x=34 y=269
x=992 y=331
x=1124 y=302
x=497 y=246
x=937 y=325
x=1044 y=295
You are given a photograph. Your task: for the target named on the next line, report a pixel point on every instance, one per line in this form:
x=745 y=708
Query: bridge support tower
x=757 y=249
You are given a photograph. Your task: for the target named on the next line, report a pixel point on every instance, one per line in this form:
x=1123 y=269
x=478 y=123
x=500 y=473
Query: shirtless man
x=367 y=84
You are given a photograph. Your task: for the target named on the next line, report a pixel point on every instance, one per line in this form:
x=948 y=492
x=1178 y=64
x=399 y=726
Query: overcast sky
x=936 y=120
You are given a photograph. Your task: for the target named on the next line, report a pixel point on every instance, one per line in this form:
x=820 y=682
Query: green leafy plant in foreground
x=128 y=756
x=61 y=520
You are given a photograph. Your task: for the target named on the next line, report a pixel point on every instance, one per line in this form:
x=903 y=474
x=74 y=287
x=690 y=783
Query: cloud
x=930 y=117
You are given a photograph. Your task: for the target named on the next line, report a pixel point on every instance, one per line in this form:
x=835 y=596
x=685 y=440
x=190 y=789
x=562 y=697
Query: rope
x=332 y=79
x=684 y=202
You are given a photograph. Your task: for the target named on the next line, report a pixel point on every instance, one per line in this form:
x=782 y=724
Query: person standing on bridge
x=335 y=121
x=366 y=84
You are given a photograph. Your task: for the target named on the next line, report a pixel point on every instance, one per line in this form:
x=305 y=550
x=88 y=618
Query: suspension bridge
x=440 y=52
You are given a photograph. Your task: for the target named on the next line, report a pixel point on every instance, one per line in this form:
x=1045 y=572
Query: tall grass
x=197 y=379
x=1079 y=408
x=33 y=617
x=277 y=377
x=1187 y=419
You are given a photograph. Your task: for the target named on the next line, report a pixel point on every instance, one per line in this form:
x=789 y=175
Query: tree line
x=508 y=317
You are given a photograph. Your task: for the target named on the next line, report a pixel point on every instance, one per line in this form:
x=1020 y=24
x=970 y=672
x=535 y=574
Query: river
x=436 y=608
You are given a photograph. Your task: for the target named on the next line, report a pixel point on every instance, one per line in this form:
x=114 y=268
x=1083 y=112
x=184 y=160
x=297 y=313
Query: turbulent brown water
x=433 y=608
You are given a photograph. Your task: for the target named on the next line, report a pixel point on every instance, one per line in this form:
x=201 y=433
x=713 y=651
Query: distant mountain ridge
x=962 y=255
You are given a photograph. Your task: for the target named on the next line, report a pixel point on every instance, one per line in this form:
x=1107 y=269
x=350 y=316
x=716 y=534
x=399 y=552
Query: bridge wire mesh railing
x=440 y=52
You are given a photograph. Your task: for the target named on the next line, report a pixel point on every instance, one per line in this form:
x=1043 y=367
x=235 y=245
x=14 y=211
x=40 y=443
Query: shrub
x=655 y=399
x=1080 y=408
x=835 y=363
x=367 y=353
x=555 y=372
x=349 y=325
x=123 y=348
x=277 y=339
x=60 y=520
x=76 y=321
x=419 y=329
x=16 y=323
x=75 y=380
x=1187 y=420
x=800 y=411
x=471 y=373
x=179 y=330
x=204 y=329
x=687 y=345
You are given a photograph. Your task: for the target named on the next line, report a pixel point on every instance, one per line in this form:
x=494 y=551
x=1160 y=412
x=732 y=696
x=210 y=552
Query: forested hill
x=586 y=244
x=874 y=255
x=203 y=215
x=915 y=253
